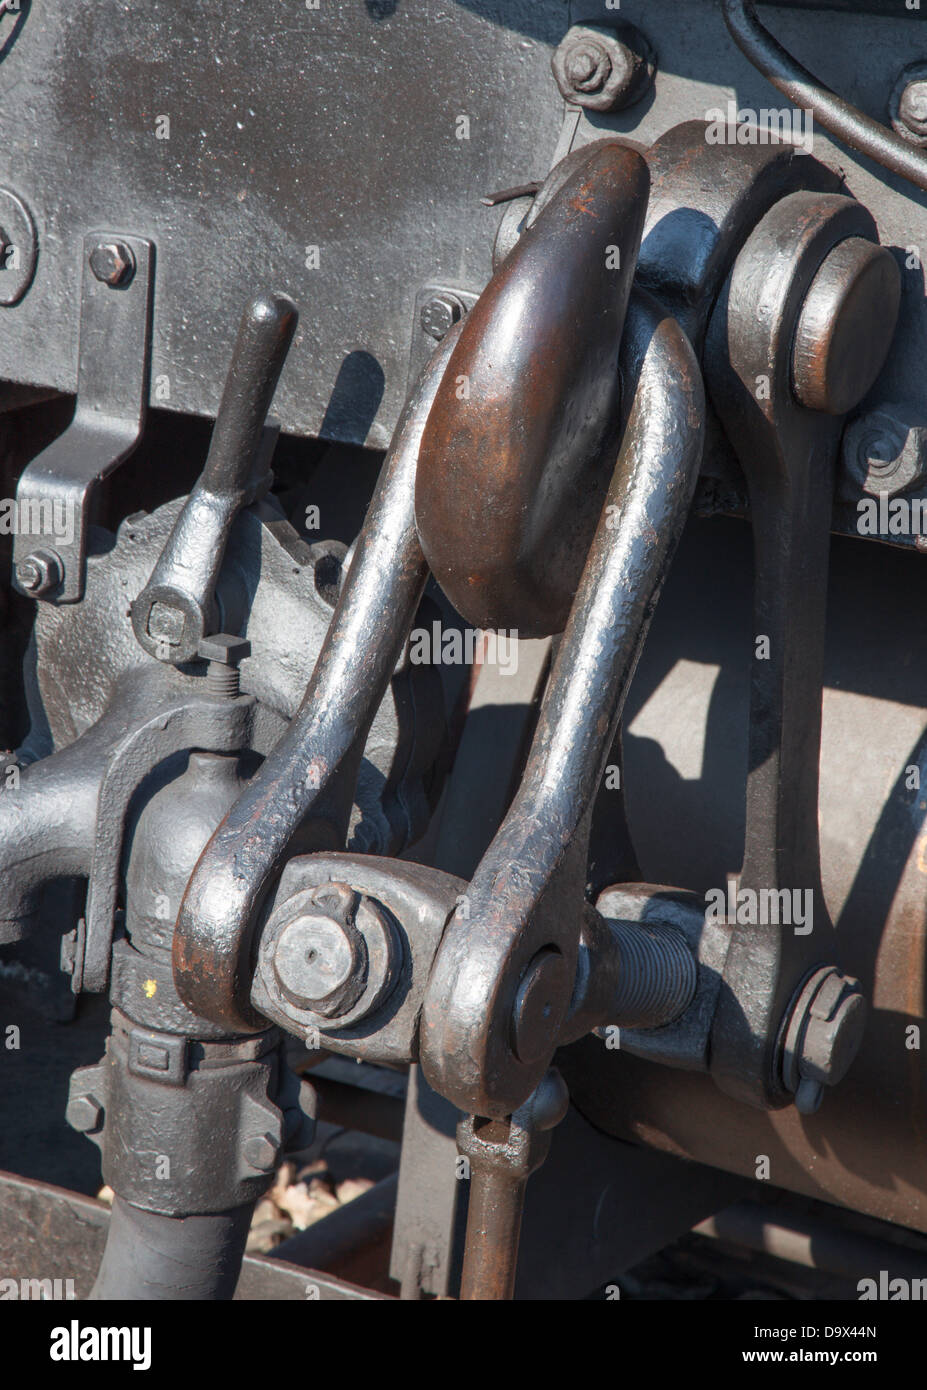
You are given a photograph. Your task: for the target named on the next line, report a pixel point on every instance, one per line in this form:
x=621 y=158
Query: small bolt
x=260 y=1152
x=908 y=104
x=588 y=67
x=440 y=313
x=112 y=262
x=603 y=67
x=884 y=451
x=223 y=651
x=85 y=1114
x=39 y=572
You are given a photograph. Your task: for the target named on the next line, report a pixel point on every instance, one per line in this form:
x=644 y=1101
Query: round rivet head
x=18 y=247
x=846 y=326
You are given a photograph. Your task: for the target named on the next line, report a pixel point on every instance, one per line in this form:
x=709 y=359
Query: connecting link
x=502 y=1155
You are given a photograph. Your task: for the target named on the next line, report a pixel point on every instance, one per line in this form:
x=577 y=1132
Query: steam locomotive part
x=244 y=802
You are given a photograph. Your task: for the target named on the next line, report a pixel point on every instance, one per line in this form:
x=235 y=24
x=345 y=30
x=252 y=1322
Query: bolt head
x=85 y=1114
x=39 y=572
x=885 y=451
x=113 y=262
x=439 y=315
x=320 y=958
x=587 y=67
x=224 y=647
x=260 y=1152
x=912 y=107
x=603 y=68
x=907 y=105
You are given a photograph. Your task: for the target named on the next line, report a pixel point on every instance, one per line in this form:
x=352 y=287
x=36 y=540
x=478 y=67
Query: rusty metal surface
x=686 y=758
x=313 y=768
x=514 y=465
x=525 y=897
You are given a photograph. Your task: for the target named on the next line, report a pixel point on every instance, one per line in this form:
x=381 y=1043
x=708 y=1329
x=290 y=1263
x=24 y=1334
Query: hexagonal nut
x=112 y=262
x=884 y=451
x=834 y=1030
x=260 y=1152
x=440 y=313
x=39 y=572
x=320 y=960
x=85 y=1114
x=603 y=68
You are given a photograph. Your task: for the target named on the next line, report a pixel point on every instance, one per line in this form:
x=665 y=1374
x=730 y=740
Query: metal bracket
x=55 y=490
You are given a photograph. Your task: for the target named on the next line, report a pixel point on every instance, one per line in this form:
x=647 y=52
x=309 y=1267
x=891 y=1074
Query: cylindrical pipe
x=801 y=88
x=172 y=1258
x=490 y=1263
x=816 y=1244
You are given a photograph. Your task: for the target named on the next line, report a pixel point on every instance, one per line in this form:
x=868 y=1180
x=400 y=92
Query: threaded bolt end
x=657 y=975
x=222 y=680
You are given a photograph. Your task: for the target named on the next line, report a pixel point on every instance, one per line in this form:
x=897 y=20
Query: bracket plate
x=55 y=490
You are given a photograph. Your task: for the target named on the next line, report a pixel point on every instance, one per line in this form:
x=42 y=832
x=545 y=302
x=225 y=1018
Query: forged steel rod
x=314 y=767
x=836 y=115
x=524 y=902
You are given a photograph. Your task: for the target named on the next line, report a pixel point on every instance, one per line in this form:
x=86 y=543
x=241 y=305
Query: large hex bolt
x=823 y=1035
x=885 y=451
x=846 y=326
x=320 y=958
x=908 y=104
x=603 y=68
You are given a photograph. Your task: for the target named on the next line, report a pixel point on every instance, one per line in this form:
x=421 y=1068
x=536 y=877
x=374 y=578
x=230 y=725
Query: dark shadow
x=19 y=20
x=355 y=399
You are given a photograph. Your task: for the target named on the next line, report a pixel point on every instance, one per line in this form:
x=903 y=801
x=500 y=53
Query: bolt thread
x=657 y=974
x=222 y=679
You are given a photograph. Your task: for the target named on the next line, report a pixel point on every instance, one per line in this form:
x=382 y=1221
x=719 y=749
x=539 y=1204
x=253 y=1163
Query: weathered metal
x=311 y=773
x=516 y=454
x=834 y=113
x=789 y=454
x=177 y=607
x=112 y=397
x=526 y=895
